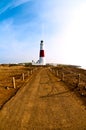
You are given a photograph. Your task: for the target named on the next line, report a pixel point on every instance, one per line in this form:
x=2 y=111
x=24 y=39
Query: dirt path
x=44 y=103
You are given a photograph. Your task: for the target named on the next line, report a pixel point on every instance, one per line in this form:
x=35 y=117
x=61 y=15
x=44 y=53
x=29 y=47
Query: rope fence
x=75 y=80
x=15 y=79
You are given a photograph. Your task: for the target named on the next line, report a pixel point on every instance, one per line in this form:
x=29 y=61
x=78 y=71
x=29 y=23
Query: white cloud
x=68 y=45
x=74 y=39
x=19 y=2
x=12 y=48
x=13 y=5
x=2 y=10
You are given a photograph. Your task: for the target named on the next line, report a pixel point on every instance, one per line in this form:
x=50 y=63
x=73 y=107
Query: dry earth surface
x=44 y=103
x=6 y=81
x=74 y=77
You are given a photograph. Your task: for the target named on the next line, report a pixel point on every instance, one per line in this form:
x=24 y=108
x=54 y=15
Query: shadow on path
x=57 y=94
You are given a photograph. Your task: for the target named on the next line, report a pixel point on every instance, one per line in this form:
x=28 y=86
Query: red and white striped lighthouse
x=42 y=54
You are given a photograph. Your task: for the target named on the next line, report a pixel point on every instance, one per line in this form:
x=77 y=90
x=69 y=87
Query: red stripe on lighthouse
x=42 y=53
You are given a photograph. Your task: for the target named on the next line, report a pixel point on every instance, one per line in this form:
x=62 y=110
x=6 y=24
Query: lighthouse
x=42 y=54
x=41 y=60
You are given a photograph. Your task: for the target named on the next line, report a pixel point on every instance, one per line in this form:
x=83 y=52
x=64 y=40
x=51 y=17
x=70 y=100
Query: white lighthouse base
x=42 y=61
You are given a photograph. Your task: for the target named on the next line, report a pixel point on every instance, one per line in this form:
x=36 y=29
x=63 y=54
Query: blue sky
x=60 y=23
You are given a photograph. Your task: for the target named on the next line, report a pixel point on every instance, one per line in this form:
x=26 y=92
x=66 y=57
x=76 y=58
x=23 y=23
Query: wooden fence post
x=14 y=84
x=31 y=71
x=23 y=76
x=78 y=80
x=62 y=76
x=50 y=69
x=28 y=73
x=57 y=73
x=53 y=71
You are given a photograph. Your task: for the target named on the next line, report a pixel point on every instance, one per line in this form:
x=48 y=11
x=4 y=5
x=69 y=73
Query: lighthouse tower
x=42 y=54
x=41 y=60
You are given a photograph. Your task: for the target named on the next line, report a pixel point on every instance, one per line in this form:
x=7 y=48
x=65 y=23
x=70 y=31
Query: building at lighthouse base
x=38 y=62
